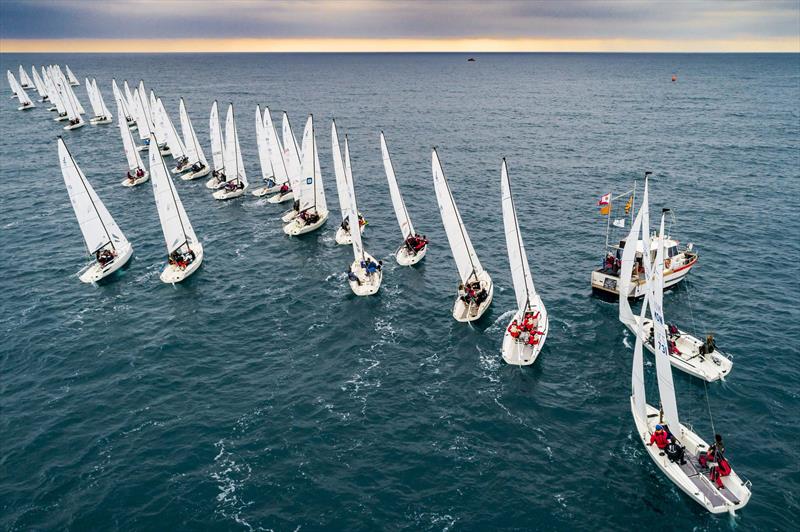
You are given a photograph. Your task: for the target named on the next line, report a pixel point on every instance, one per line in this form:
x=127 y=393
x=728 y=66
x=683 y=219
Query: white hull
x=174 y=274
x=143 y=147
x=99 y=120
x=710 y=368
x=74 y=126
x=196 y=175
x=344 y=238
x=138 y=181
x=281 y=198
x=465 y=313
x=263 y=191
x=213 y=183
x=369 y=284
x=288 y=216
x=95 y=272
x=607 y=283
x=690 y=477
x=223 y=194
x=298 y=227
x=517 y=353
x=406 y=258
x=25 y=107
x=60 y=118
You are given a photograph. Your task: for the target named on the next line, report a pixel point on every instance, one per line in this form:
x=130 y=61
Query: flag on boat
x=605 y=204
x=629 y=205
x=619 y=222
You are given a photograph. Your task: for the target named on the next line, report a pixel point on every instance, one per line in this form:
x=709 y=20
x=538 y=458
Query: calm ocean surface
x=261 y=394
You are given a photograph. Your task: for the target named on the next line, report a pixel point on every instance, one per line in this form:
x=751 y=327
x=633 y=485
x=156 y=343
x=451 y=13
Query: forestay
x=399 y=205
x=96 y=223
x=521 y=276
x=463 y=253
x=174 y=222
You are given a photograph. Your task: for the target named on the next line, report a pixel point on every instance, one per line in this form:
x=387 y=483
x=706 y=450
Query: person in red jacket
x=722 y=469
x=659 y=437
x=514 y=330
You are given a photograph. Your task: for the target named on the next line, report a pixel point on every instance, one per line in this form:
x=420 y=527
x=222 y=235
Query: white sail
x=666 y=388
x=39 y=84
x=144 y=104
x=73 y=98
x=399 y=205
x=262 y=142
x=521 y=276
x=308 y=183
x=101 y=101
x=174 y=222
x=131 y=153
x=637 y=373
x=142 y=115
x=69 y=102
x=338 y=170
x=291 y=154
x=463 y=253
x=627 y=264
x=233 y=154
x=176 y=146
x=193 y=149
x=320 y=204
x=276 y=153
x=158 y=119
x=217 y=144
x=98 y=227
x=128 y=94
x=97 y=109
x=72 y=79
x=55 y=96
x=122 y=103
x=24 y=79
x=358 y=246
x=23 y=97
x=12 y=82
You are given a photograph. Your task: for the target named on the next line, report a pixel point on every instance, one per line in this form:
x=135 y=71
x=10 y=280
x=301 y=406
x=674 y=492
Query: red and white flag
x=605 y=199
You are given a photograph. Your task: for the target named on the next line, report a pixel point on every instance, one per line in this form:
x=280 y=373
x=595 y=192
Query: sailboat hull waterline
x=405 y=257
x=191 y=176
x=366 y=285
x=690 y=477
x=464 y=312
x=281 y=198
x=263 y=191
x=710 y=367
x=74 y=126
x=99 y=120
x=95 y=272
x=138 y=181
x=517 y=351
x=222 y=194
x=298 y=227
x=175 y=274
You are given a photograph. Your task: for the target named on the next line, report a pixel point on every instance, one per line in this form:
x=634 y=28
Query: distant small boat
x=674 y=78
x=471 y=60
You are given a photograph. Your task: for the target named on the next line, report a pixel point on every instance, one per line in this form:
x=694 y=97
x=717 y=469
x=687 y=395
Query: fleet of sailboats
x=292 y=172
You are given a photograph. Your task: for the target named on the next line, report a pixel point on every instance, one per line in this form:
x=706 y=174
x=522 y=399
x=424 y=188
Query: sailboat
x=142 y=116
x=40 y=86
x=217 y=149
x=291 y=154
x=25 y=81
x=105 y=242
x=277 y=161
x=101 y=113
x=476 y=289
x=527 y=331
x=137 y=173
x=415 y=245
x=262 y=143
x=236 y=181
x=70 y=103
x=313 y=209
x=691 y=355
x=12 y=83
x=196 y=159
x=344 y=181
x=56 y=99
x=365 y=273
x=24 y=100
x=184 y=251
x=688 y=473
x=71 y=77
x=123 y=104
x=168 y=141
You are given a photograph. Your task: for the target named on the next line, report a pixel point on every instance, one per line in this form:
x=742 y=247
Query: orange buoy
x=674 y=78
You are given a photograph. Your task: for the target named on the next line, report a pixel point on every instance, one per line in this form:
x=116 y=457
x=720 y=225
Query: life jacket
x=660 y=438
x=724 y=467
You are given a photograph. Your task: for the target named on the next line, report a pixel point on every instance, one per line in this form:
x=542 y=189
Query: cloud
x=415 y=19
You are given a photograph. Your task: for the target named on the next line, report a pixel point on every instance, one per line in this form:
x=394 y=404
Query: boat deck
x=705 y=485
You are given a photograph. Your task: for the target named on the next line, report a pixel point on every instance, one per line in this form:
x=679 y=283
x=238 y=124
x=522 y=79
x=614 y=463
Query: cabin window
x=672 y=251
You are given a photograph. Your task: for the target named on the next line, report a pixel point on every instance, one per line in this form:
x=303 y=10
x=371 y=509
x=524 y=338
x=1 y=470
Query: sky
x=400 y=25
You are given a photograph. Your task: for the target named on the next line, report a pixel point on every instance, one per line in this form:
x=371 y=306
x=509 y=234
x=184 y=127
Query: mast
x=523 y=259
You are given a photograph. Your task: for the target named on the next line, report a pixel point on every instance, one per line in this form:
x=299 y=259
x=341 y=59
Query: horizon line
x=400 y=45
